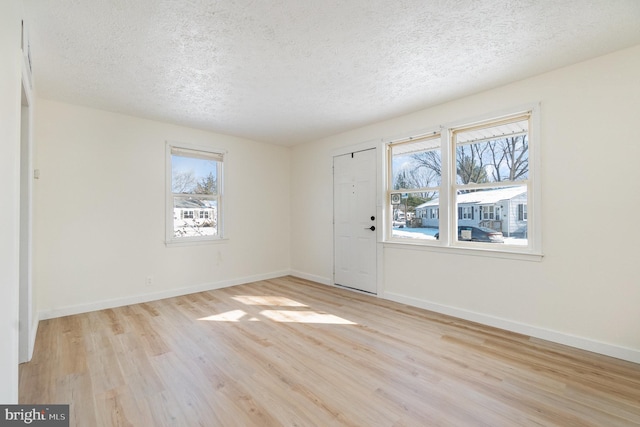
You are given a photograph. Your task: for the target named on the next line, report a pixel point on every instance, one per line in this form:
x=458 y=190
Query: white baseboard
x=606 y=349
x=153 y=296
x=312 y=277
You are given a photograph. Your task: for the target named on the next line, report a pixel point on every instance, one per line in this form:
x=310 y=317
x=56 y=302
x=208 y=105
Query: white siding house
x=503 y=210
x=194 y=217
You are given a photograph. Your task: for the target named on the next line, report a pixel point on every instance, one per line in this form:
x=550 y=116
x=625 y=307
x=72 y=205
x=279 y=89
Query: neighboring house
x=503 y=210
x=190 y=212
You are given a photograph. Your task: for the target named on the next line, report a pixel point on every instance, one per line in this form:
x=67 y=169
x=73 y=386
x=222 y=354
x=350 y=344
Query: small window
x=522 y=212
x=194 y=194
x=488 y=212
x=465 y=212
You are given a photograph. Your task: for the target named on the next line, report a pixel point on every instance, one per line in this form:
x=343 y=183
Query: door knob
x=372 y=228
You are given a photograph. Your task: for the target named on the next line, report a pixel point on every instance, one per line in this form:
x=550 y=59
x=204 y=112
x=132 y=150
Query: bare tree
x=471 y=163
x=429 y=160
x=510 y=158
x=415 y=178
x=183 y=182
x=502 y=159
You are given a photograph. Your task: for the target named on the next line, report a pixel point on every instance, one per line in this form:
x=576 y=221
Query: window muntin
x=491 y=160
x=416 y=178
x=194 y=194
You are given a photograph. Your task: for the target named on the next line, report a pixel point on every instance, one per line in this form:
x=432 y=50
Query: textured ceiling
x=291 y=71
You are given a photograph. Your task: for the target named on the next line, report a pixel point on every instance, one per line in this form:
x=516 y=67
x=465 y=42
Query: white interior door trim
x=28 y=323
x=379 y=208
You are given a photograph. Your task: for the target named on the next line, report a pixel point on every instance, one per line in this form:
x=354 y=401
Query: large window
x=492 y=168
x=415 y=180
x=468 y=186
x=194 y=192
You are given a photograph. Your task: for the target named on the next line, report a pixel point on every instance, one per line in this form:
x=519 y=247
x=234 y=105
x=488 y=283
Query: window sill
x=468 y=251
x=194 y=242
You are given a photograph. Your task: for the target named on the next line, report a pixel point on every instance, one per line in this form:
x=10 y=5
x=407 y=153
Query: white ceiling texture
x=292 y=71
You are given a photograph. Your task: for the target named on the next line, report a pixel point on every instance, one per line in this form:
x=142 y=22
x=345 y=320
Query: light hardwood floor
x=294 y=353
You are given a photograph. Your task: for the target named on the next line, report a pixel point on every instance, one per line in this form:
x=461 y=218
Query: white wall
x=99 y=212
x=586 y=290
x=10 y=84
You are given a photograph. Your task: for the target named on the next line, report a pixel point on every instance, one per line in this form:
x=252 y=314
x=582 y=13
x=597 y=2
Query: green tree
x=401 y=180
x=469 y=171
x=416 y=199
x=207 y=185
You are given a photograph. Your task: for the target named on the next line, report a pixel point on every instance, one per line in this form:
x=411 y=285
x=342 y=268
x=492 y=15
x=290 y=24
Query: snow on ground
x=428 y=234
x=415 y=233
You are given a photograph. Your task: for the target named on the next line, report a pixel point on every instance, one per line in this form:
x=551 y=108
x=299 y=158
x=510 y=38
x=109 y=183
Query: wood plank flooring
x=289 y=352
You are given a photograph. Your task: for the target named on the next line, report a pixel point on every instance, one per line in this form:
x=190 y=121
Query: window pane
x=193 y=216
x=493 y=216
x=416 y=164
x=493 y=154
x=190 y=175
x=416 y=217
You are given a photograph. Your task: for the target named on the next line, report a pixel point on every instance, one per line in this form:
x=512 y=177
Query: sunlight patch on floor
x=304 y=317
x=267 y=300
x=275 y=315
x=229 y=316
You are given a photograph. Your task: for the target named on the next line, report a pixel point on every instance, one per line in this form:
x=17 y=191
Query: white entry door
x=355 y=220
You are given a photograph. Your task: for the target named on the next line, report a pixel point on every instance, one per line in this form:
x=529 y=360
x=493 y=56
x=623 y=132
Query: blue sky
x=199 y=167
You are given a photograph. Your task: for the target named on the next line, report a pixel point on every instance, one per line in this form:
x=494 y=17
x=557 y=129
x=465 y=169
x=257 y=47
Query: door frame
x=381 y=212
x=28 y=323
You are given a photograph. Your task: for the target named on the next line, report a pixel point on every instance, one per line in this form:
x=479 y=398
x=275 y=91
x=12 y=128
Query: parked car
x=399 y=223
x=467 y=233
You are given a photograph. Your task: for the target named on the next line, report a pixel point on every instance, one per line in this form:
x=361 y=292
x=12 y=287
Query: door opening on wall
x=355 y=220
x=25 y=348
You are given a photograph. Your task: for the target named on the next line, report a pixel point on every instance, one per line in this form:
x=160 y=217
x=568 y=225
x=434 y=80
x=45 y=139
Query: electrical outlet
x=149 y=281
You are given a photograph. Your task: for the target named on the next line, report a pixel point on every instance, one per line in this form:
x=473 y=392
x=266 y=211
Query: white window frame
x=447 y=201
x=432 y=134
x=209 y=152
